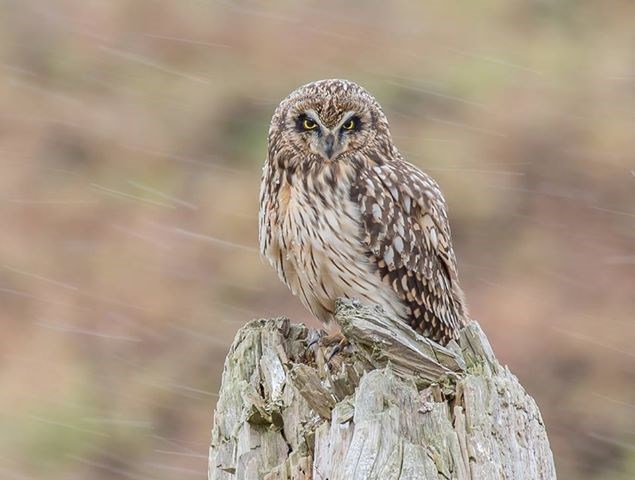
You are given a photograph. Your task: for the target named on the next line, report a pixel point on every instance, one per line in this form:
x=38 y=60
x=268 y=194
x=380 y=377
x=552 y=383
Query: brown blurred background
x=132 y=135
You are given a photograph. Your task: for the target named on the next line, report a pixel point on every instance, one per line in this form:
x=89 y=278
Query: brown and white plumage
x=343 y=215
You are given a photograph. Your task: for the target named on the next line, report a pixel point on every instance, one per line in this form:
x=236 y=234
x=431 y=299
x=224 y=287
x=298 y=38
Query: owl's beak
x=329 y=145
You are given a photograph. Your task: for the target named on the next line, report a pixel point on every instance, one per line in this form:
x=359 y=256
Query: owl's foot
x=340 y=346
x=328 y=340
x=331 y=345
x=318 y=338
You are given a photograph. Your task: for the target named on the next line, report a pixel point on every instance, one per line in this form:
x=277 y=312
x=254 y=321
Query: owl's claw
x=330 y=344
x=312 y=339
x=339 y=347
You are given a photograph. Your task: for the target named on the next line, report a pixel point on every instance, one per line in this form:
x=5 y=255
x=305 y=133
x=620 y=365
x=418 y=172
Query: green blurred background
x=132 y=135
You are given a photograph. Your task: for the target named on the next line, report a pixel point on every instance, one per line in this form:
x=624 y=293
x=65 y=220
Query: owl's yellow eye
x=350 y=125
x=309 y=124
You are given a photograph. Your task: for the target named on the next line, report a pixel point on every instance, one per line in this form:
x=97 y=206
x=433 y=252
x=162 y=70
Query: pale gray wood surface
x=394 y=405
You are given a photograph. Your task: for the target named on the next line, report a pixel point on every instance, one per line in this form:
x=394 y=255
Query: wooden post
x=394 y=405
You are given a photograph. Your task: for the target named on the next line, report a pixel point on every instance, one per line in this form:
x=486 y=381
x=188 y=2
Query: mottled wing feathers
x=407 y=232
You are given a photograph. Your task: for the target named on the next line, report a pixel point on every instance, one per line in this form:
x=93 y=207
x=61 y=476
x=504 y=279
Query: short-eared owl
x=342 y=214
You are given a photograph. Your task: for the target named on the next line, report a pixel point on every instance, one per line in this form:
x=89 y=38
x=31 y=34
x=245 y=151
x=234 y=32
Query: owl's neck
x=329 y=182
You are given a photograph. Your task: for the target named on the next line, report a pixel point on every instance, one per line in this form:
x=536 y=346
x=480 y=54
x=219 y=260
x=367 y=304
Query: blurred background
x=132 y=135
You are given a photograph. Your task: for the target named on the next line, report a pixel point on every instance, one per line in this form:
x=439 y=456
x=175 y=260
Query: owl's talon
x=313 y=338
x=341 y=345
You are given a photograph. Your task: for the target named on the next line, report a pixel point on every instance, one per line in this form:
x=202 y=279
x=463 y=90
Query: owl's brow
x=312 y=114
x=347 y=116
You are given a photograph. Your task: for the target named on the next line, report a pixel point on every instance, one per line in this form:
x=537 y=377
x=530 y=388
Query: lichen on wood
x=393 y=405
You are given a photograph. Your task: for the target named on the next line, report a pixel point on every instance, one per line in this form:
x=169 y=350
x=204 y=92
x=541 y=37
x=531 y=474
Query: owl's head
x=327 y=120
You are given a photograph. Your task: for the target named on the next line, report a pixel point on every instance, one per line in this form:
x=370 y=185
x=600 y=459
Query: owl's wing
x=407 y=232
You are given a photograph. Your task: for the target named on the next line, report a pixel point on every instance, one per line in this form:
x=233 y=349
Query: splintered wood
x=393 y=405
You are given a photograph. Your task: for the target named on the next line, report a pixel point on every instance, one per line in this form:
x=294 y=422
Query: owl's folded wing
x=408 y=236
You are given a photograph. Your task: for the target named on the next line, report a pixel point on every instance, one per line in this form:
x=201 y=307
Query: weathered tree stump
x=393 y=406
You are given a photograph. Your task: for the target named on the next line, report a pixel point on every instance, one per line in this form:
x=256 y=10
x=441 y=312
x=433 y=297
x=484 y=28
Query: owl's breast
x=321 y=253
x=325 y=224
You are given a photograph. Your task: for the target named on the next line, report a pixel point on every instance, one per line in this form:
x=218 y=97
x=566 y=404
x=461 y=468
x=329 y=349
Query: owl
x=342 y=214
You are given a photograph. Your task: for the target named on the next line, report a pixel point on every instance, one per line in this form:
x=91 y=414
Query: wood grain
x=393 y=405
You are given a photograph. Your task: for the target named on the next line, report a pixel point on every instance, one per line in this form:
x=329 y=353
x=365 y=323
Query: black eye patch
x=304 y=123
x=353 y=124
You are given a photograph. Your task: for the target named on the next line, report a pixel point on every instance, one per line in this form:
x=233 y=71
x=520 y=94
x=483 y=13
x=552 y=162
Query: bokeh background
x=132 y=135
